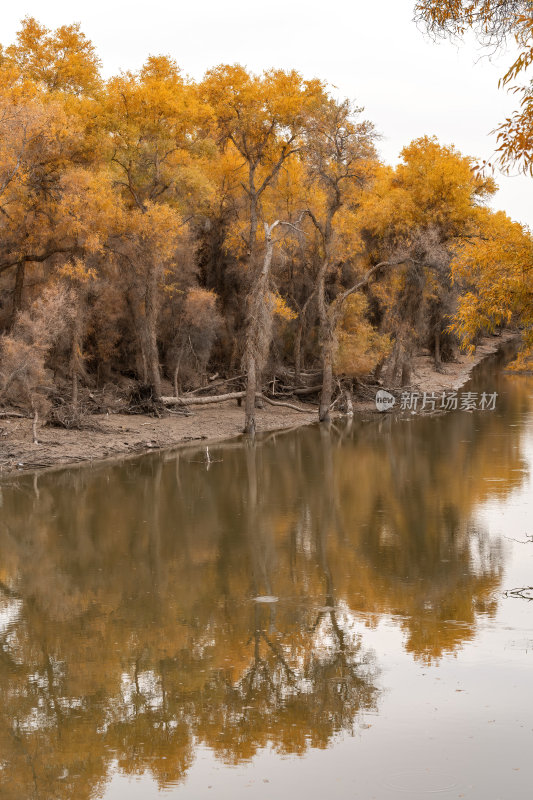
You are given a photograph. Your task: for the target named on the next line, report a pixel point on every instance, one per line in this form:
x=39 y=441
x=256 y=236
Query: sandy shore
x=121 y=434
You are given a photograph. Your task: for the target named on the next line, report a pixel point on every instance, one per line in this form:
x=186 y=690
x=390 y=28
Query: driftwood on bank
x=221 y=398
x=303 y=390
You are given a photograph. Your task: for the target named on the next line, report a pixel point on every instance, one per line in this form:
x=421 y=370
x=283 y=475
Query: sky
x=370 y=52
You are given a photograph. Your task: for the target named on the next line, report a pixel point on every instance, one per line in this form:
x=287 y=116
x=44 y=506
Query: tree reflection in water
x=130 y=631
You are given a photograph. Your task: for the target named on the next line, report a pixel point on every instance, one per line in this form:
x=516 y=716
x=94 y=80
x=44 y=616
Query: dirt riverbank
x=121 y=434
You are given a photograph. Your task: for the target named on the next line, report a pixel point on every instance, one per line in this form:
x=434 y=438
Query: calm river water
x=326 y=614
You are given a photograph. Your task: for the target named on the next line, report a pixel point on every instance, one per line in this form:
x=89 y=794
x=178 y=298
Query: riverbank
x=117 y=435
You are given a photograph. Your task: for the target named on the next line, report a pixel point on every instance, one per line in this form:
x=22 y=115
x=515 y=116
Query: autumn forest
x=161 y=236
x=337 y=610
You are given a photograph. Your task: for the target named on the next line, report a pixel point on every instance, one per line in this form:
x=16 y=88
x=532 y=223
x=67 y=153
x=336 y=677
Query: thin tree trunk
x=379 y=369
x=34 y=427
x=349 y=402
x=17 y=292
x=75 y=362
x=406 y=371
x=438 y=360
x=176 y=372
x=298 y=352
x=152 y=354
x=75 y=403
x=327 y=383
x=298 y=340
x=326 y=345
x=144 y=362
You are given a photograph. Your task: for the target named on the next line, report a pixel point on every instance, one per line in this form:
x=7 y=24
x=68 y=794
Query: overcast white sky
x=371 y=52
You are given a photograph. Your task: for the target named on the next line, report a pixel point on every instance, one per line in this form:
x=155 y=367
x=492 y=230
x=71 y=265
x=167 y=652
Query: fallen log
x=302 y=390
x=200 y=401
x=212 y=385
x=221 y=398
x=286 y=405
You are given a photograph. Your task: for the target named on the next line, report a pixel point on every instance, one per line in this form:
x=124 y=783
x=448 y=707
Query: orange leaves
x=495 y=21
x=494 y=266
x=262 y=115
x=156 y=123
x=280 y=307
x=441 y=182
x=63 y=60
x=515 y=136
x=151 y=237
x=76 y=272
x=433 y=188
x=360 y=347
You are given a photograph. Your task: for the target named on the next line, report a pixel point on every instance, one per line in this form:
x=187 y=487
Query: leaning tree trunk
x=258 y=331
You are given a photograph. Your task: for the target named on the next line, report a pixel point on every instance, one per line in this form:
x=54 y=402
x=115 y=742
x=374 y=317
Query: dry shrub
x=199 y=327
x=24 y=379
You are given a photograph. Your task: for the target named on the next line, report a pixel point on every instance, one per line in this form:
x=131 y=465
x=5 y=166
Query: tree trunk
x=34 y=427
x=139 y=329
x=406 y=371
x=327 y=342
x=75 y=362
x=349 y=403
x=298 y=352
x=75 y=403
x=152 y=354
x=177 y=371
x=249 y=405
x=259 y=319
x=438 y=360
x=392 y=369
x=327 y=384
x=298 y=340
x=18 y=290
x=222 y=398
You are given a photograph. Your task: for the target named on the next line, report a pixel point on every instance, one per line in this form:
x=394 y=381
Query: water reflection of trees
x=134 y=635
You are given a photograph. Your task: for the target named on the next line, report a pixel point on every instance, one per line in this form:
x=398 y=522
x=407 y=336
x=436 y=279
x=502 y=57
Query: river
x=329 y=612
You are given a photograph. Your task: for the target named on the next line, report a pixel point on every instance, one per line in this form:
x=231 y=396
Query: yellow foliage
x=434 y=186
x=494 y=21
x=494 y=269
x=61 y=60
x=280 y=307
x=360 y=347
x=77 y=272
